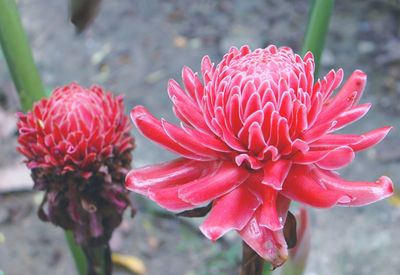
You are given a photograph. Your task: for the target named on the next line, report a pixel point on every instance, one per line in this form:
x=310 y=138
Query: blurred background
x=133 y=47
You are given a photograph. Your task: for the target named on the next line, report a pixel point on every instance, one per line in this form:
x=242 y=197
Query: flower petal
x=302 y=185
x=355 y=83
x=231 y=211
x=207 y=140
x=275 y=173
x=321 y=188
x=151 y=128
x=226 y=178
x=371 y=138
x=188 y=142
x=176 y=172
x=361 y=193
x=168 y=198
x=328 y=159
x=350 y=116
x=270 y=245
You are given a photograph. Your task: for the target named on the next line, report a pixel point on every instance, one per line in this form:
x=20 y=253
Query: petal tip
x=386 y=185
x=138 y=111
x=212 y=233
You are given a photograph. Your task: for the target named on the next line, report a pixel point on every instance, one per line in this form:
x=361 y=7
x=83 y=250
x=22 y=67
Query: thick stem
x=252 y=263
x=19 y=56
x=99 y=259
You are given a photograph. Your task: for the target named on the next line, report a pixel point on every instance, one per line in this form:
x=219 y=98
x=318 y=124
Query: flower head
x=78 y=143
x=256 y=133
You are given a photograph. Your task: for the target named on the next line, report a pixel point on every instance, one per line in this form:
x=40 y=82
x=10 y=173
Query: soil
x=133 y=47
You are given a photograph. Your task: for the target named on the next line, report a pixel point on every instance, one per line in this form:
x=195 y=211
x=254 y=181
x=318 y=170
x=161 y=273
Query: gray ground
x=134 y=47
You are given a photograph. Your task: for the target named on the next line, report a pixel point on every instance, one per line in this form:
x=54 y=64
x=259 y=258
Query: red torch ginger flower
x=78 y=144
x=256 y=133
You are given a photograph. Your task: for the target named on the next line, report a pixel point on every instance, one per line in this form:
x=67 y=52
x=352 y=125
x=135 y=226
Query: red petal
x=151 y=128
x=188 y=78
x=168 y=198
x=329 y=159
x=321 y=188
x=355 y=83
x=176 y=172
x=317 y=131
x=331 y=141
x=371 y=138
x=268 y=212
x=336 y=107
x=275 y=173
x=231 y=211
x=361 y=193
x=188 y=142
x=351 y=116
x=249 y=160
x=302 y=185
x=207 y=140
x=226 y=178
x=270 y=245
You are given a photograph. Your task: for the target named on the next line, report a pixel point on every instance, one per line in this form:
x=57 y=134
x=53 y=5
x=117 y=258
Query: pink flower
x=256 y=133
x=78 y=144
x=74 y=130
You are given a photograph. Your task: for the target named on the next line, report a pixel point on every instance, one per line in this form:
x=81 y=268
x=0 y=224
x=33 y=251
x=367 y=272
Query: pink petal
x=231 y=211
x=207 y=68
x=329 y=159
x=302 y=185
x=168 y=198
x=335 y=108
x=351 y=116
x=371 y=138
x=331 y=141
x=320 y=188
x=226 y=178
x=230 y=139
x=361 y=193
x=176 y=172
x=176 y=92
x=207 y=140
x=268 y=213
x=275 y=173
x=189 y=116
x=233 y=113
x=256 y=138
x=355 y=83
x=270 y=245
x=188 y=78
x=188 y=142
x=317 y=131
x=337 y=158
x=151 y=128
x=248 y=160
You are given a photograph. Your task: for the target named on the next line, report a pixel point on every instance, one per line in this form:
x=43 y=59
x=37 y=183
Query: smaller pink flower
x=76 y=129
x=78 y=144
x=257 y=132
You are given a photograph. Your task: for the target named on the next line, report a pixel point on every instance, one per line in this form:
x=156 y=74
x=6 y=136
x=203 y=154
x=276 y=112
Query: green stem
x=318 y=23
x=77 y=253
x=99 y=259
x=19 y=56
x=27 y=80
